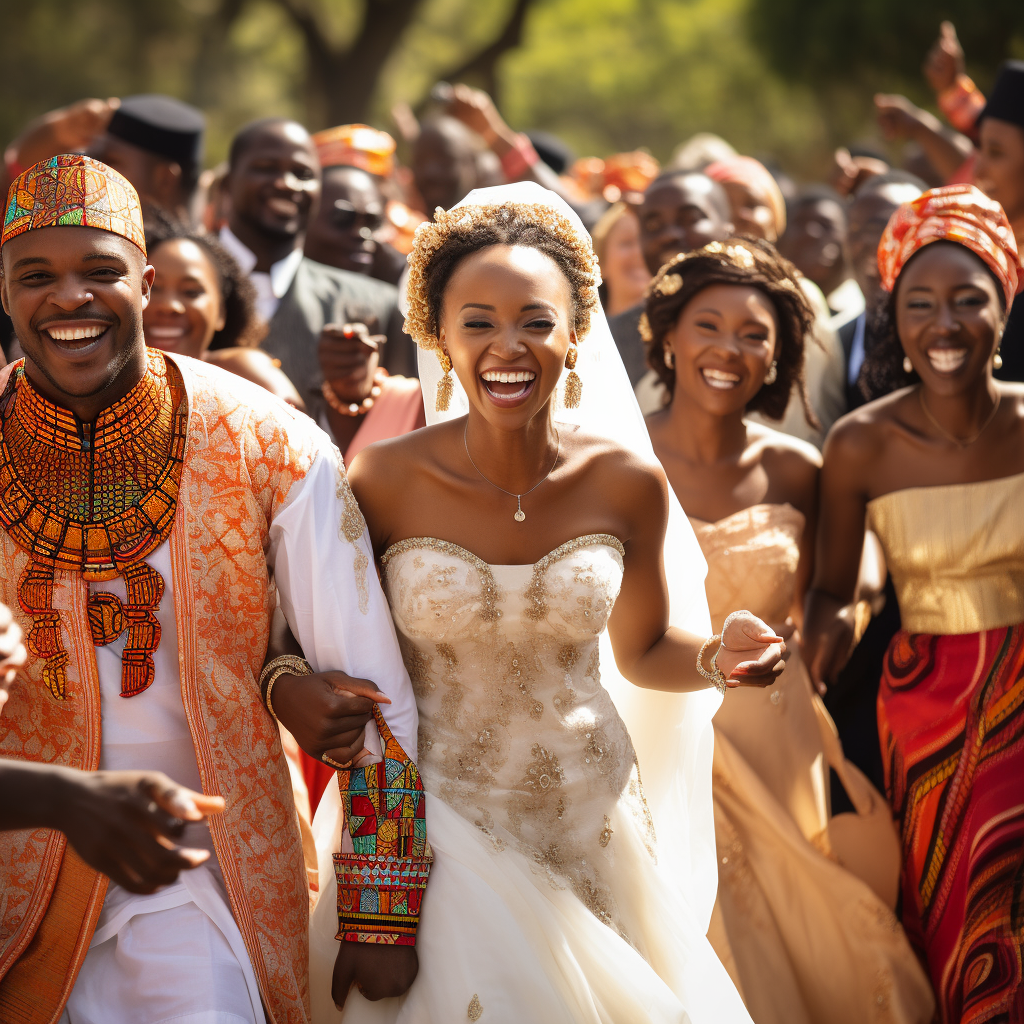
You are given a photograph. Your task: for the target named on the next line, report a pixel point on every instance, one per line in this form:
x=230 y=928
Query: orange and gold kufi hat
x=356 y=145
x=953 y=213
x=73 y=190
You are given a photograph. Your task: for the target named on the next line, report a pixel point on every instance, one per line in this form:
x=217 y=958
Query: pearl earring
x=670 y=359
x=997 y=361
x=773 y=373
x=908 y=366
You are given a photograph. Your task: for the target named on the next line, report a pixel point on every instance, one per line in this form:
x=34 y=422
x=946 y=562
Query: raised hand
x=751 y=651
x=945 y=59
x=378 y=971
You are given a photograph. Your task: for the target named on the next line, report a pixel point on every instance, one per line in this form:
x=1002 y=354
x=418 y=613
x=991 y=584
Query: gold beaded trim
x=431 y=235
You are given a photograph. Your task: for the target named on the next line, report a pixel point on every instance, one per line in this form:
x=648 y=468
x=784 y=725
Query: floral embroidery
x=351 y=528
x=517 y=733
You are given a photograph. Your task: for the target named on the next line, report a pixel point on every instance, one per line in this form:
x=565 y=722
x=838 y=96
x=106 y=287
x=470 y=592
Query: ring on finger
x=337 y=765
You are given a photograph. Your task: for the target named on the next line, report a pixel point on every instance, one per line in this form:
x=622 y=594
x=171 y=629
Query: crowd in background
x=285 y=265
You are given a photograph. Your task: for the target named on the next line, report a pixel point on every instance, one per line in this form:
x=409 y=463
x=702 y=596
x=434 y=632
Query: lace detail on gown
x=517 y=733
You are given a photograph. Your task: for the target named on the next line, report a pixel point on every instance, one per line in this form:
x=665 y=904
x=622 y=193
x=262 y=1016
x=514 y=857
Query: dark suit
x=321 y=295
x=625 y=328
x=854 y=396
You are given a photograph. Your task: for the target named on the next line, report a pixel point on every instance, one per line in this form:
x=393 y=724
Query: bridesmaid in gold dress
x=804 y=920
x=936 y=470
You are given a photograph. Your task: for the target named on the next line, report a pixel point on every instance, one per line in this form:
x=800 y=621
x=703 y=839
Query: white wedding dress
x=558 y=893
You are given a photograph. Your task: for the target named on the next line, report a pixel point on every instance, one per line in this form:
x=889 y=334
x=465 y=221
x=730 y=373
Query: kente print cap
x=73 y=190
x=953 y=213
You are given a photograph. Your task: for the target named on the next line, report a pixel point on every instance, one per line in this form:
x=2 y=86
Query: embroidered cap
x=953 y=213
x=77 y=190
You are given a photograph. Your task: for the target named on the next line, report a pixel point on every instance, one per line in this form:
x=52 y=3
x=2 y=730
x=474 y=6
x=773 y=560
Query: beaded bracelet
x=285 y=665
x=716 y=676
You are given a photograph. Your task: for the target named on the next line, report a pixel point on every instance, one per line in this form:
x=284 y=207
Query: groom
x=152 y=510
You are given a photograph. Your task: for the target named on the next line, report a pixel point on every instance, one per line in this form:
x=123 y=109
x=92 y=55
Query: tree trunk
x=341 y=82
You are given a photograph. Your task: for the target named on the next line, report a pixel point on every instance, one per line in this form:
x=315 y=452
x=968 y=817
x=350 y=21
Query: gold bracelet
x=716 y=675
x=285 y=665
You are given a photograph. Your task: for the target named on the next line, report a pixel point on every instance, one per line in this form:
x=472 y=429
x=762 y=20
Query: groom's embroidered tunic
x=261 y=506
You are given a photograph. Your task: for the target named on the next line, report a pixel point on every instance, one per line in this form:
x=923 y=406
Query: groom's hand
x=378 y=971
x=326 y=712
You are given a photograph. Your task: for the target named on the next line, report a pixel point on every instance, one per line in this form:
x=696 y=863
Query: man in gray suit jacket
x=274 y=185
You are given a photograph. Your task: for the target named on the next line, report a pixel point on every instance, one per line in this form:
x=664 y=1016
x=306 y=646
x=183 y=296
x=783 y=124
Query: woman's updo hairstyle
x=454 y=234
x=750 y=262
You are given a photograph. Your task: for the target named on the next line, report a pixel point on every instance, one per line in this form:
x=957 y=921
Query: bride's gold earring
x=445 y=387
x=573 y=384
x=908 y=366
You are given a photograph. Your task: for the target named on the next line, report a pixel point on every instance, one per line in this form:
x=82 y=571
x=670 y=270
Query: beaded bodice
x=517 y=733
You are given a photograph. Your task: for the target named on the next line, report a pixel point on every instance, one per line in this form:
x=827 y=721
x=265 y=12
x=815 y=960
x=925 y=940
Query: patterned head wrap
x=72 y=189
x=953 y=213
x=356 y=145
x=745 y=170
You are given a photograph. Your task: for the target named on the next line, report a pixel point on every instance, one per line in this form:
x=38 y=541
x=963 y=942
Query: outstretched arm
x=651 y=653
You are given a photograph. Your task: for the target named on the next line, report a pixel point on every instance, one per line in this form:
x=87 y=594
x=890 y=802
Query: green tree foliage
x=607 y=75
x=880 y=41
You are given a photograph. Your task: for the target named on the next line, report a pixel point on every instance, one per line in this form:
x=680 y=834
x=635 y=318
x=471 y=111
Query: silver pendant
x=519 y=516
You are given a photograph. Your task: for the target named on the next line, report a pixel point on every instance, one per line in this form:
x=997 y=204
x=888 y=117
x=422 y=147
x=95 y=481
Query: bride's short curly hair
x=440 y=245
x=737 y=261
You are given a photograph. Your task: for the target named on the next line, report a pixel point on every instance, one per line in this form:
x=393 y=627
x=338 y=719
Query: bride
x=513 y=542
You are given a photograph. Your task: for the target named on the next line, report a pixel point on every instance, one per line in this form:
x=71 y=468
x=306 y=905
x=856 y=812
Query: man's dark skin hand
x=122 y=823
x=326 y=712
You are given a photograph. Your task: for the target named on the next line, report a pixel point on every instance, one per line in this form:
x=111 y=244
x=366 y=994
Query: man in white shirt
x=274 y=184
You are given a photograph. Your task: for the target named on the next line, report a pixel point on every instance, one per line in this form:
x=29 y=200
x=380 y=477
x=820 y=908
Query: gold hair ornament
x=432 y=235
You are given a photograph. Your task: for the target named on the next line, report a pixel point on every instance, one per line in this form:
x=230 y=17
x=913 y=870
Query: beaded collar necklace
x=97 y=499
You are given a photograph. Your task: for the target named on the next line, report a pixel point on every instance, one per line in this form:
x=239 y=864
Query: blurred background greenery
x=782 y=79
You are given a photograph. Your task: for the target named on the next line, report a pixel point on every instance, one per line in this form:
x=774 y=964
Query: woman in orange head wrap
x=936 y=470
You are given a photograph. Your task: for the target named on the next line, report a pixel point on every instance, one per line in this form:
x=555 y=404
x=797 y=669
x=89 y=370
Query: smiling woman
x=726 y=327
x=511 y=544
x=203 y=306
x=936 y=470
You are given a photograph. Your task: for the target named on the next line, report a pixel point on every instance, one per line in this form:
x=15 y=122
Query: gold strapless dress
x=804 y=919
x=955 y=554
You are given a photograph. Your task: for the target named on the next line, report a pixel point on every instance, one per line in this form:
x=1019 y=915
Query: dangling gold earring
x=670 y=359
x=997 y=361
x=908 y=366
x=573 y=384
x=445 y=387
x=773 y=373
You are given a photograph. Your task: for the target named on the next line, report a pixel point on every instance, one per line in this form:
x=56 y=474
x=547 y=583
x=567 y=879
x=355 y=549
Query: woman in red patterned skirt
x=936 y=470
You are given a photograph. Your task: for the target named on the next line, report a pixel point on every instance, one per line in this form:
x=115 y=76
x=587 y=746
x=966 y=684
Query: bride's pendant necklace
x=519 y=514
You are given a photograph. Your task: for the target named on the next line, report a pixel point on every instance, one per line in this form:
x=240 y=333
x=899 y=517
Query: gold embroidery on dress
x=517 y=733
x=351 y=528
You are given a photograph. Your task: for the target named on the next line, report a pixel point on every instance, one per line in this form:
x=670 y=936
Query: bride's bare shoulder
x=626 y=474
x=388 y=468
